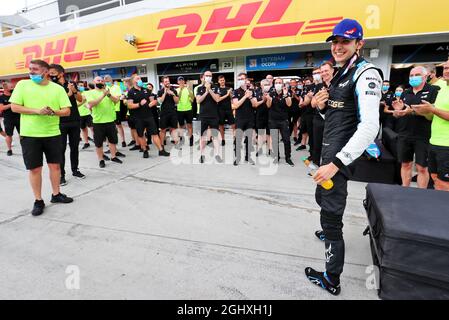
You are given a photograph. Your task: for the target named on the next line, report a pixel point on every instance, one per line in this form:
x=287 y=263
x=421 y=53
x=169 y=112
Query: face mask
x=81 y=89
x=300 y=87
x=316 y=77
x=208 y=79
x=278 y=87
x=36 y=78
x=109 y=84
x=54 y=79
x=415 y=81
x=99 y=86
x=266 y=89
x=241 y=83
x=140 y=83
x=398 y=94
x=385 y=88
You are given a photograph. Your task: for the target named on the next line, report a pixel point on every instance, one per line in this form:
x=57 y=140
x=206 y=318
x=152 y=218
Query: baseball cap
x=181 y=78
x=347 y=28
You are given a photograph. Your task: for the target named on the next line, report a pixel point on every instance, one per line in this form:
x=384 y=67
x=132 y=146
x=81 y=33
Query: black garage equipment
x=409 y=237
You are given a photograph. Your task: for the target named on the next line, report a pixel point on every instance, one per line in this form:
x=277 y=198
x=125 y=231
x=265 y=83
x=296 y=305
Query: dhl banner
x=225 y=25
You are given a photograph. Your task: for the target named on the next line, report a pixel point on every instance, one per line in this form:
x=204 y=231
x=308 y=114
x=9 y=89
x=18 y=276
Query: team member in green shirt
x=101 y=102
x=439 y=140
x=86 y=118
x=116 y=91
x=185 y=112
x=41 y=103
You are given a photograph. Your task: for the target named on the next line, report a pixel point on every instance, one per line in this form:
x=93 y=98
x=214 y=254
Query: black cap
x=181 y=78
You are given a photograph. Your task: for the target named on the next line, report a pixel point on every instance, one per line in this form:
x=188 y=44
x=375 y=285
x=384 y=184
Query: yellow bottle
x=329 y=184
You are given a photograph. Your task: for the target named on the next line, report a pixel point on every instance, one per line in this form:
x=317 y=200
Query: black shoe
x=301 y=147
x=86 y=145
x=38 y=208
x=202 y=159
x=269 y=152
x=9 y=153
x=63 y=182
x=78 y=174
x=236 y=162
x=320 y=235
x=322 y=280
x=290 y=162
x=116 y=160
x=123 y=144
x=146 y=155
x=218 y=159
x=259 y=153
x=108 y=152
x=223 y=143
x=132 y=143
x=136 y=147
x=90 y=139
x=295 y=139
x=164 y=153
x=102 y=164
x=61 y=198
x=105 y=157
x=415 y=178
x=297 y=142
x=191 y=141
x=119 y=154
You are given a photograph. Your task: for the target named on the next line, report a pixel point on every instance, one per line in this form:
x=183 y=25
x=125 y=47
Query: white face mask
x=208 y=79
x=241 y=83
x=278 y=87
x=317 y=77
x=266 y=89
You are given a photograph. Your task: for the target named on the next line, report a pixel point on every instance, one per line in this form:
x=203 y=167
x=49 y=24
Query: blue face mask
x=385 y=88
x=109 y=84
x=398 y=94
x=81 y=89
x=36 y=78
x=415 y=81
x=140 y=83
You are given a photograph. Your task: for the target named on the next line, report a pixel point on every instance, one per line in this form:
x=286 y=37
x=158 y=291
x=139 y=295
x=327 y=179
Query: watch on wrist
x=108 y=95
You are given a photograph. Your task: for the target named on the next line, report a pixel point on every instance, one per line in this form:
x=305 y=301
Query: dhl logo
x=268 y=26
x=58 y=51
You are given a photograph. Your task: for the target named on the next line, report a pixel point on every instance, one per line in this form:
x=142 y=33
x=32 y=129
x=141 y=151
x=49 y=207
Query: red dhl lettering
x=59 y=51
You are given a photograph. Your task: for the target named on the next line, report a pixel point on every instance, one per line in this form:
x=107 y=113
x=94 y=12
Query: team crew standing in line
x=70 y=126
x=351 y=125
x=101 y=102
x=225 y=108
x=116 y=91
x=41 y=103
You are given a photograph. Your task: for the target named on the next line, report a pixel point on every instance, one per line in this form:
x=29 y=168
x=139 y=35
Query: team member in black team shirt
x=327 y=72
x=225 y=107
x=307 y=113
x=259 y=101
x=141 y=100
x=295 y=111
x=413 y=129
x=208 y=96
x=11 y=119
x=385 y=103
x=70 y=126
x=279 y=102
x=168 y=98
x=241 y=102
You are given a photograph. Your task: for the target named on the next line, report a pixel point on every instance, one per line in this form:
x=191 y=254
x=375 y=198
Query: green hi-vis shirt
x=440 y=127
x=35 y=96
x=116 y=91
x=82 y=108
x=104 y=112
x=184 y=104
